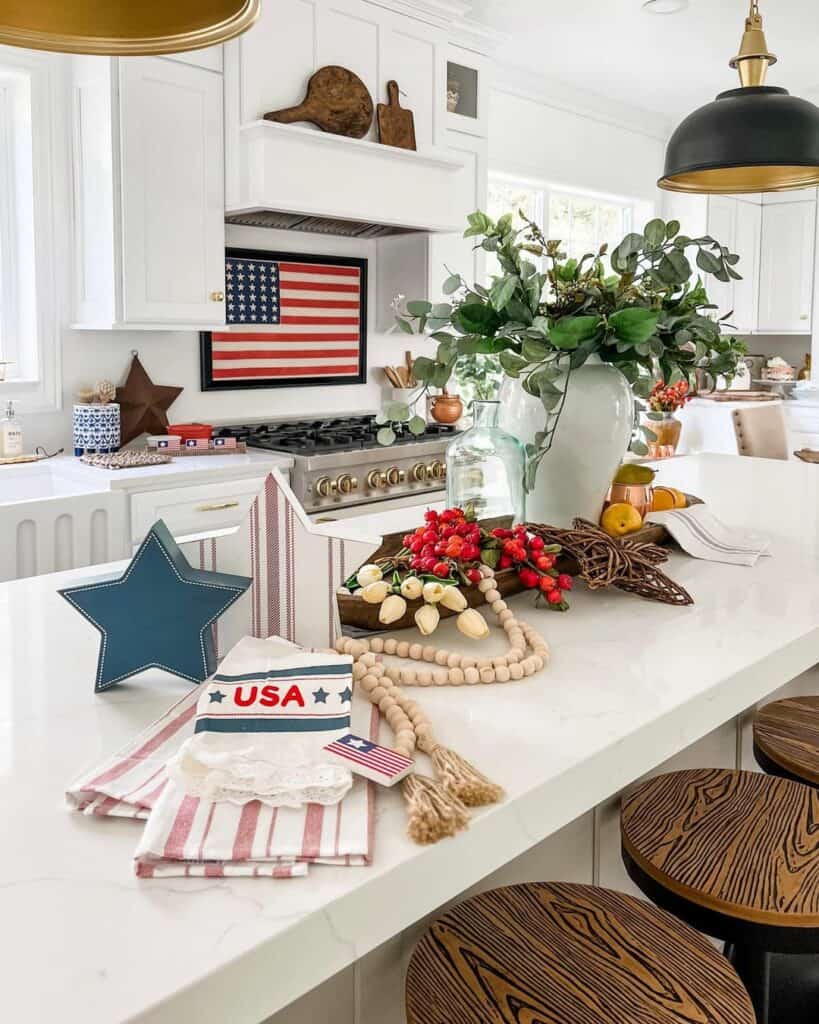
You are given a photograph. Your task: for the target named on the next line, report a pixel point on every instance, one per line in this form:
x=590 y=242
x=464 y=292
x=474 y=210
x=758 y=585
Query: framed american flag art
x=292 y=321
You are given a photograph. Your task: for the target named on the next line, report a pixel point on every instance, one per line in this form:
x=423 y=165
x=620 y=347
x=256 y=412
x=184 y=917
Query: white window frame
x=636 y=211
x=34 y=382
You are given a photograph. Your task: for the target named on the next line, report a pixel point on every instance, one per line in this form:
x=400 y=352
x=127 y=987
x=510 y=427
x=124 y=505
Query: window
x=582 y=221
x=17 y=273
x=31 y=86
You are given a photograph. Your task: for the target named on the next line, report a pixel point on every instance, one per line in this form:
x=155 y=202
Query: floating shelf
x=373 y=190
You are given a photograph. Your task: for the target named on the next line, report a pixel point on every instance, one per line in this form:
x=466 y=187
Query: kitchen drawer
x=193 y=513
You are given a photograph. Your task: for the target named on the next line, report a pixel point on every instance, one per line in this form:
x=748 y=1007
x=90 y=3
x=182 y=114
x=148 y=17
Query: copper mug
x=641 y=496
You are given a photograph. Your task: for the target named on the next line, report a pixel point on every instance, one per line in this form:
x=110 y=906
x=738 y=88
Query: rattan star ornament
x=629 y=565
x=143 y=404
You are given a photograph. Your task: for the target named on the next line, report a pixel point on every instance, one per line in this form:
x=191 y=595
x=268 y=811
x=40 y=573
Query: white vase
x=590 y=441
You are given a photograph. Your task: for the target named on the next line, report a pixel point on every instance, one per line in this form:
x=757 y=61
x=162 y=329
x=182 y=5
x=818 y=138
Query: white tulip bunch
x=374 y=589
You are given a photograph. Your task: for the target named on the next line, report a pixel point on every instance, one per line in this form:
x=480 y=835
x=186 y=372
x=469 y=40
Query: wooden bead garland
x=437 y=810
x=464 y=668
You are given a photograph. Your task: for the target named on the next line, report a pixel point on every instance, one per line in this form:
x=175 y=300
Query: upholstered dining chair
x=761 y=432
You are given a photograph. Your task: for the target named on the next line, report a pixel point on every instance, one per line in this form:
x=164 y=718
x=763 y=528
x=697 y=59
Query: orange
x=620 y=519
x=666 y=498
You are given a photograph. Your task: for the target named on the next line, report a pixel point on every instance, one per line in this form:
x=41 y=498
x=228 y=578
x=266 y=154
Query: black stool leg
x=753 y=965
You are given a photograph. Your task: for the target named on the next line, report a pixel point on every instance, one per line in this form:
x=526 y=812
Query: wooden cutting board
x=337 y=101
x=396 y=125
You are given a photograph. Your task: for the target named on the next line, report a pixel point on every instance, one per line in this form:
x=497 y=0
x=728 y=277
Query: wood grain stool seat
x=786 y=739
x=736 y=855
x=556 y=953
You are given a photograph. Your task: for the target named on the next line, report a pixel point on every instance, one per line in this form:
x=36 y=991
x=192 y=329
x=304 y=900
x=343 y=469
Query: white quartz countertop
x=630 y=684
x=64 y=475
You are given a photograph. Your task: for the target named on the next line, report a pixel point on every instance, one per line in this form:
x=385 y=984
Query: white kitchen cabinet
x=787 y=268
x=737 y=224
x=148 y=194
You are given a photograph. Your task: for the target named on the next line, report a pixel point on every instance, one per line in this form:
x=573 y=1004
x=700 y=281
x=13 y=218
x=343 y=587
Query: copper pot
x=641 y=496
x=446 y=408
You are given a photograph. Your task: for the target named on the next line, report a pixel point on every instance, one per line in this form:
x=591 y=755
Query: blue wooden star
x=158 y=614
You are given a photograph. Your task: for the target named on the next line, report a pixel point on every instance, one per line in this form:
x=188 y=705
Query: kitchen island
x=630 y=685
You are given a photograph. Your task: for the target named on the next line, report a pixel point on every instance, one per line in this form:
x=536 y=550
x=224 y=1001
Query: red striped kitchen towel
x=187 y=835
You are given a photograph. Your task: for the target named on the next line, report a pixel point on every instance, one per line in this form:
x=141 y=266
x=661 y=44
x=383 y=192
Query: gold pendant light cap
x=123 y=28
x=754 y=57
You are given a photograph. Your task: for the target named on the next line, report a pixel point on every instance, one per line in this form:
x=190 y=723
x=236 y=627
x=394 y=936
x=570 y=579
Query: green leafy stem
x=545 y=314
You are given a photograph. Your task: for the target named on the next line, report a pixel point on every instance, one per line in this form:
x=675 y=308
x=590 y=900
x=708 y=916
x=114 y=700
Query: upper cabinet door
x=747 y=228
x=786 y=267
x=173 y=233
x=722 y=211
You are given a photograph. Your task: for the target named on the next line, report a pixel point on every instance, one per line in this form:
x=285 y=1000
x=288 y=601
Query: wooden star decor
x=142 y=404
x=629 y=565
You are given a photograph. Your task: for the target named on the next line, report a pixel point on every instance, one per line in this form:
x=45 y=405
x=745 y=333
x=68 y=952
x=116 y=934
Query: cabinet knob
x=217 y=296
x=803 y=316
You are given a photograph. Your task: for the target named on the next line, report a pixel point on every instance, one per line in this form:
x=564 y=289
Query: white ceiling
x=668 y=64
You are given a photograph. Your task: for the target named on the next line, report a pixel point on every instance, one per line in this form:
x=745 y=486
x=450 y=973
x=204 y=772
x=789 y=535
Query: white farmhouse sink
x=33 y=481
x=53 y=516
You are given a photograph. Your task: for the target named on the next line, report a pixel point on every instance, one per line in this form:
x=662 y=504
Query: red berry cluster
x=535 y=564
x=447 y=545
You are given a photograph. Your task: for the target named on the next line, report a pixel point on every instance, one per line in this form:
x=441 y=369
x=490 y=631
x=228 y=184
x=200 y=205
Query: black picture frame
x=205 y=337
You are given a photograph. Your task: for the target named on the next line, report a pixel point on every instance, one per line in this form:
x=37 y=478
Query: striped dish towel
x=189 y=836
x=262 y=722
x=700 y=534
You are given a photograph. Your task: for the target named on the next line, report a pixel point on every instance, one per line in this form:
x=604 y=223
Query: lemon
x=630 y=473
x=620 y=519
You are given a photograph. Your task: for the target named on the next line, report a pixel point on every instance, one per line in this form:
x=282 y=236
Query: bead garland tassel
x=438 y=807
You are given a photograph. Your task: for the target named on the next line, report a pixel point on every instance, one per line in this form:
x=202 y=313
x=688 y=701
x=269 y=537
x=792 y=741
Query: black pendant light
x=757 y=138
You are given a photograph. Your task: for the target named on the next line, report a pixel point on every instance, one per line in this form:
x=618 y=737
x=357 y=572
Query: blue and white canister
x=96 y=428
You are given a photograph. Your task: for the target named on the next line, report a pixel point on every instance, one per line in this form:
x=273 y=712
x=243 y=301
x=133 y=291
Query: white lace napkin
x=260 y=726
x=700 y=534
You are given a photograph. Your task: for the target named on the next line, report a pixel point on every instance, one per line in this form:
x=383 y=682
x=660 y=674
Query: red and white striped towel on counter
x=186 y=834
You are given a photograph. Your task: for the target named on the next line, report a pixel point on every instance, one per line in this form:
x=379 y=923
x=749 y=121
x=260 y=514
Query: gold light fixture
x=757 y=138
x=123 y=27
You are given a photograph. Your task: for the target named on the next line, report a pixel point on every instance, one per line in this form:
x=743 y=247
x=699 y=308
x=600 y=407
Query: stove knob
x=346 y=483
x=436 y=470
x=374 y=479
x=418 y=472
x=325 y=486
x=393 y=476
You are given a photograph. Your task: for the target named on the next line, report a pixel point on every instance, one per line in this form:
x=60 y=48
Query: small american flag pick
x=201 y=443
x=374 y=762
x=224 y=442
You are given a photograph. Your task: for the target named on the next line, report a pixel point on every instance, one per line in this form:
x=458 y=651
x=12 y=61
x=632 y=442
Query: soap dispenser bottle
x=11 y=434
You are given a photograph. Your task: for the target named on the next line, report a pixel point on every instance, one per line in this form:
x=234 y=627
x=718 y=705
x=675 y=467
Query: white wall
x=538 y=131
x=173 y=358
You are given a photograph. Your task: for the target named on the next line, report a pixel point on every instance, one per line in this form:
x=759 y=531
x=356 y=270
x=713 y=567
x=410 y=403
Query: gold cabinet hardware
x=217 y=296
x=218 y=506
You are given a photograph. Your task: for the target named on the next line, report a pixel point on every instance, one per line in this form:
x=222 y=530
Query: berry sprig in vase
x=663 y=402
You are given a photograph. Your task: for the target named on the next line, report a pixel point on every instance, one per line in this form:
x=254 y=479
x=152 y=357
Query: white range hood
x=305 y=179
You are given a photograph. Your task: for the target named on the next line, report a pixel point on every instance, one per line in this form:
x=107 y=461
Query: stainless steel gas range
x=339 y=465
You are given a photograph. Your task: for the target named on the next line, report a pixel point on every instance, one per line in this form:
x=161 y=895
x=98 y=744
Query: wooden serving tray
x=357 y=613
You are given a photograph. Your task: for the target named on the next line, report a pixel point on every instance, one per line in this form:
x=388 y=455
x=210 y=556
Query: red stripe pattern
x=289 y=320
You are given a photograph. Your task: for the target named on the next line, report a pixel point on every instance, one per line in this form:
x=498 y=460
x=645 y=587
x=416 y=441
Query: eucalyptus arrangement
x=544 y=319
